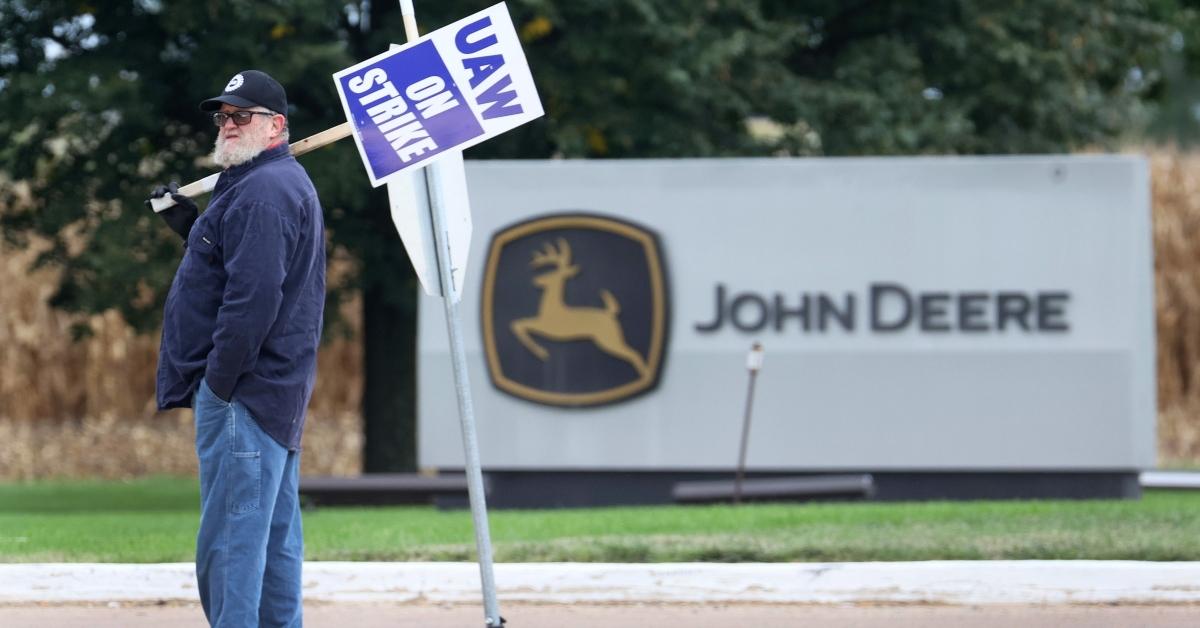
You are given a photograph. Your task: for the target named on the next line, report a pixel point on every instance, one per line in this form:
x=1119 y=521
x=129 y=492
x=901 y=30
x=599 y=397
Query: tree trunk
x=389 y=386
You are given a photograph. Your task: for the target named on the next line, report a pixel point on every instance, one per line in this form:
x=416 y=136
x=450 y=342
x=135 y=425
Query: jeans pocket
x=245 y=482
x=205 y=395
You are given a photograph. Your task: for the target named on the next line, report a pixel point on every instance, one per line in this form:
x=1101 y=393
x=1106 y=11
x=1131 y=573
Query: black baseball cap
x=250 y=88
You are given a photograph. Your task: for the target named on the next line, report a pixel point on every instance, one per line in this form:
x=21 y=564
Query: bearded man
x=240 y=332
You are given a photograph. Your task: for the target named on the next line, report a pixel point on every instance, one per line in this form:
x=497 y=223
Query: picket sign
x=449 y=90
x=421 y=104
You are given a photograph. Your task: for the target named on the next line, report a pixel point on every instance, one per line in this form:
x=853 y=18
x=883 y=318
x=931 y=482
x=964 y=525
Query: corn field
x=72 y=409
x=1176 y=206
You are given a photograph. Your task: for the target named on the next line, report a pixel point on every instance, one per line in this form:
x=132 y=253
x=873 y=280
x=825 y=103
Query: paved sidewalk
x=430 y=615
x=932 y=582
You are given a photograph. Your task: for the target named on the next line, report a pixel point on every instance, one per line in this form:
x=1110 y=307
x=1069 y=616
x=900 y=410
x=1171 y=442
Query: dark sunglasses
x=240 y=118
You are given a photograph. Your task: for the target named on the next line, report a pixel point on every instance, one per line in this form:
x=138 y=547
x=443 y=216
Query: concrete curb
x=1170 y=480
x=941 y=582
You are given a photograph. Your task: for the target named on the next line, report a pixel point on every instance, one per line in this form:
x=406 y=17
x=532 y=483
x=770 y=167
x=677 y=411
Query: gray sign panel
x=917 y=313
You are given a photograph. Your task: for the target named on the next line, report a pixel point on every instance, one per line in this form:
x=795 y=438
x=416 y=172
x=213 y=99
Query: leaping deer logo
x=556 y=320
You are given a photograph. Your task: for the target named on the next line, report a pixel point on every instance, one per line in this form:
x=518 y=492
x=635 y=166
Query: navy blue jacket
x=246 y=306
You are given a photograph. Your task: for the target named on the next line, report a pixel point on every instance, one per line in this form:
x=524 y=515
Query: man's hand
x=179 y=216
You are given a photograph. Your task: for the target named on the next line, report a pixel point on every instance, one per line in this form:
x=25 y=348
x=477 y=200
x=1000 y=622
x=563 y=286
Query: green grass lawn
x=154 y=520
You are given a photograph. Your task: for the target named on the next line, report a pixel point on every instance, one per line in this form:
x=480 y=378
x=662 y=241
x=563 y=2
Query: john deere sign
x=919 y=315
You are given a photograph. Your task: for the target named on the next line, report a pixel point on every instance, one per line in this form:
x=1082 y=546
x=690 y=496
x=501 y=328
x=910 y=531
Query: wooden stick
x=317 y=140
x=206 y=185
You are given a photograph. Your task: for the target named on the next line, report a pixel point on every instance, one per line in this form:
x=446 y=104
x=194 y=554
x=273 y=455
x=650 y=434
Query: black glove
x=179 y=216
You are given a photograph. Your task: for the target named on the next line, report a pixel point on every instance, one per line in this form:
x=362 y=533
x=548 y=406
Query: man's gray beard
x=229 y=156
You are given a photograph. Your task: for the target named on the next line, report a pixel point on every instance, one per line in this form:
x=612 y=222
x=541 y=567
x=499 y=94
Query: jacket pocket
x=201 y=242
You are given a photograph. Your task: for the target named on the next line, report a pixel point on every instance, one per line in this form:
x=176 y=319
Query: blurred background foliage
x=98 y=103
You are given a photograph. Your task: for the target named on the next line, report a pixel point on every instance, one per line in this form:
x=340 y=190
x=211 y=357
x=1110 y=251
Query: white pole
x=462 y=384
x=754 y=362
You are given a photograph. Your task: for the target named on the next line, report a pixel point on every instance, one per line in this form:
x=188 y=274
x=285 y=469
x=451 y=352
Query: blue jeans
x=250 y=547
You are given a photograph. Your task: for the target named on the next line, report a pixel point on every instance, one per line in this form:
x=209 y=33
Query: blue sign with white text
x=407 y=108
x=438 y=95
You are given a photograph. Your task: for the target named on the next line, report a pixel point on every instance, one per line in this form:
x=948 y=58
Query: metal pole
x=466 y=411
x=753 y=363
x=462 y=383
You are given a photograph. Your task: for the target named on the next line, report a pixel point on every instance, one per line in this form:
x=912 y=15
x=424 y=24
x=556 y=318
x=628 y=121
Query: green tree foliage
x=1175 y=114
x=955 y=76
x=98 y=104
